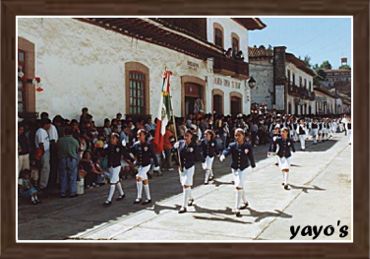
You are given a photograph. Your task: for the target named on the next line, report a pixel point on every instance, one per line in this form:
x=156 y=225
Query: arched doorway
x=289 y=108
x=310 y=109
x=193 y=98
x=296 y=108
x=193 y=95
x=235 y=103
x=218 y=101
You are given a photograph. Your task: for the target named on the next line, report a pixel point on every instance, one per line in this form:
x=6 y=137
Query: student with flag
x=187 y=150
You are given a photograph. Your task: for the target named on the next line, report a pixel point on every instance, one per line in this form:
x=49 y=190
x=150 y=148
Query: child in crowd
x=25 y=187
x=87 y=166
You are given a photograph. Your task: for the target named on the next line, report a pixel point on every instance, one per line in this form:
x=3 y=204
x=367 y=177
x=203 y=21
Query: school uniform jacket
x=187 y=153
x=209 y=148
x=284 y=146
x=143 y=153
x=242 y=155
x=114 y=153
x=272 y=147
x=301 y=129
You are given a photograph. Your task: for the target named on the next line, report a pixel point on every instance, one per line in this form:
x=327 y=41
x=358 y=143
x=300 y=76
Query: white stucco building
x=116 y=65
x=283 y=82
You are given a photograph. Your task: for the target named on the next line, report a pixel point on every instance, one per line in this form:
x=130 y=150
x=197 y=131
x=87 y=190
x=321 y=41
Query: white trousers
x=303 y=141
x=284 y=163
x=114 y=174
x=208 y=163
x=186 y=176
x=143 y=172
x=239 y=177
x=349 y=133
x=45 y=169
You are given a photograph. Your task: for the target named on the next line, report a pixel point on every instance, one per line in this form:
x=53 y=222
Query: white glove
x=156 y=168
x=204 y=166
x=123 y=142
x=176 y=145
x=105 y=146
x=222 y=158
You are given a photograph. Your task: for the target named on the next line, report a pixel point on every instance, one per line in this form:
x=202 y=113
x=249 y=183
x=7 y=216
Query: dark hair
x=84 y=109
x=44 y=115
x=86 y=152
x=68 y=130
x=211 y=132
x=142 y=131
x=239 y=130
x=189 y=132
x=45 y=121
x=114 y=134
x=25 y=172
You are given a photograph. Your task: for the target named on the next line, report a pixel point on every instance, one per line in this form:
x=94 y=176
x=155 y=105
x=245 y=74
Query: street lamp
x=252 y=83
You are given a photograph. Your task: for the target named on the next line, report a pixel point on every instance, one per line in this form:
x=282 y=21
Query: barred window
x=137 y=92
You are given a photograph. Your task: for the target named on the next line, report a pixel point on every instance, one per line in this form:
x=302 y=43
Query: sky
x=319 y=38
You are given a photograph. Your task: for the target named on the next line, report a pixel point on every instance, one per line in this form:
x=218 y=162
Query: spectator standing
x=43 y=144
x=23 y=150
x=68 y=158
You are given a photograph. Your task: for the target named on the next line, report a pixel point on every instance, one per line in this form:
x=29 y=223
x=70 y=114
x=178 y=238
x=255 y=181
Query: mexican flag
x=163 y=116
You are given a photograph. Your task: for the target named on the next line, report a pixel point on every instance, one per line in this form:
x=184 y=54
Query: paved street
x=320 y=195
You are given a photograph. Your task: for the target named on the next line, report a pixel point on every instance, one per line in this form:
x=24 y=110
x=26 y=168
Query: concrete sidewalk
x=320 y=195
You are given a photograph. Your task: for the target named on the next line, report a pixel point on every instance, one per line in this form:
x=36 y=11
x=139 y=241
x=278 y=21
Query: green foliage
x=325 y=65
x=346 y=67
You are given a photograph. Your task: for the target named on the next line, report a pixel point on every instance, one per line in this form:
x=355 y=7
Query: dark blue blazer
x=114 y=153
x=144 y=153
x=208 y=149
x=241 y=155
x=188 y=154
x=284 y=147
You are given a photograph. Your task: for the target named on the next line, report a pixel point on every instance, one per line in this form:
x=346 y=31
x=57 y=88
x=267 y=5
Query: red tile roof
x=251 y=23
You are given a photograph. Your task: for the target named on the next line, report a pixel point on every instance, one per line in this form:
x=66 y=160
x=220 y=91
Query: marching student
x=114 y=151
x=301 y=130
x=209 y=151
x=272 y=147
x=284 y=144
x=187 y=152
x=314 y=131
x=349 y=130
x=144 y=153
x=242 y=156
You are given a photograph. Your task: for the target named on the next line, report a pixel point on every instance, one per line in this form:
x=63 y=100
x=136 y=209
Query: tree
x=325 y=65
x=346 y=67
x=321 y=74
x=307 y=61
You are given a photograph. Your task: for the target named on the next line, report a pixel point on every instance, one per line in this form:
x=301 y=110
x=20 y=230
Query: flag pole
x=174 y=126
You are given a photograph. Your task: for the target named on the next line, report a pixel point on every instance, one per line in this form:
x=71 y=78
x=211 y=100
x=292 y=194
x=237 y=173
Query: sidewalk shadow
x=157 y=208
x=198 y=209
x=259 y=215
x=293 y=165
x=223 y=219
x=219 y=183
x=305 y=189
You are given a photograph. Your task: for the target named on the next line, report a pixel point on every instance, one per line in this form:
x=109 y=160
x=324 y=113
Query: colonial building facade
x=116 y=65
x=283 y=82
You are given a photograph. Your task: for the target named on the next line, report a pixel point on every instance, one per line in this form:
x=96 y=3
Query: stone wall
x=264 y=76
